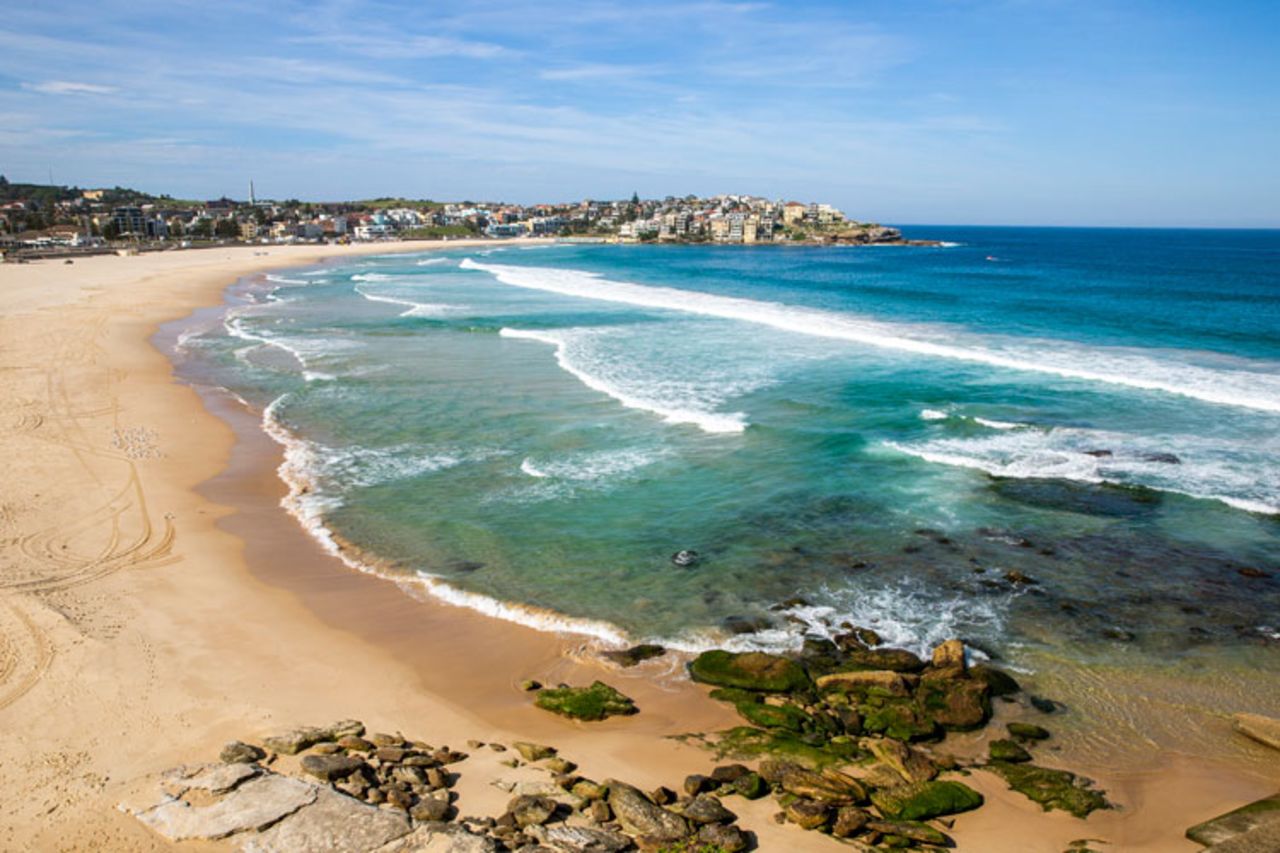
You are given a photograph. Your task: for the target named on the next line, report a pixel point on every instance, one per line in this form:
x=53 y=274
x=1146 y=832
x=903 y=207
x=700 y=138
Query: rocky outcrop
x=749 y=671
x=642 y=817
x=585 y=703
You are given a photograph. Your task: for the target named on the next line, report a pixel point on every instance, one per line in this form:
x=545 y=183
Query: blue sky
x=955 y=111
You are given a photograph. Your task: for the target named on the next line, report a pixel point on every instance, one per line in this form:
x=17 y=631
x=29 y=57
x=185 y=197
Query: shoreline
x=157 y=622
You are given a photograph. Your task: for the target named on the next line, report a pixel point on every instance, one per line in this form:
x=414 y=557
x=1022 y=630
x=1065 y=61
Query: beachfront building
x=793 y=212
x=129 y=220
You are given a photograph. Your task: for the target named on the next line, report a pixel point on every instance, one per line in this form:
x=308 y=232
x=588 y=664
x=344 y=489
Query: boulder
x=705 y=808
x=639 y=816
x=808 y=814
x=696 y=783
x=722 y=837
x=585 y=703
x=830 y=786
x=533 y=751
x=530 y=810
x=898 y=660
x=238 y=752
x=1052 y=789
x=355 y=743
x=634 y=655
x=999 y=682
x=749 y=671
x=889 y=681
x=955 y=704
x=925 y=800
x=849 y=821
x=900 y=719
x=949 y=657
x=685 y=558
x=333 y=824
x=430 y=808
x=728 y=773
x=294 y=741
x=255 y=804
x=328 y=768
x=1265 y=730
x=580 y=839
x=750 y=786
x=907 y=764
x=919 y=832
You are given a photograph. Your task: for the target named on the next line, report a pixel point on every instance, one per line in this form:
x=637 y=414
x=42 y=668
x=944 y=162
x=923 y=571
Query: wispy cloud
x=69 y=87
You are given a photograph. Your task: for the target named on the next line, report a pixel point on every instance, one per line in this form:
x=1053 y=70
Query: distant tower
x=252 y=201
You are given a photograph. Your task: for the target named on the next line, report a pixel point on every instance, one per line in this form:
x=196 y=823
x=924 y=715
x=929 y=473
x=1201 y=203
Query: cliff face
x=866 y=234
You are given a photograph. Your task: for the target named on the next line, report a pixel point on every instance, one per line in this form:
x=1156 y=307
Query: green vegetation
x=1052 y=789
x=749 y=671
x=925 y=800
x=1007 y=750
x=585 y=703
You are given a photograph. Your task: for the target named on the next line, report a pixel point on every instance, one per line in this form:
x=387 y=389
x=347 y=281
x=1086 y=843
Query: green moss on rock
x=585 y=703
x=749 y=671
x=1007 y=750
x=1052 y=789
x=925 y=800
x=900 y=719
x=955 y=704
x=787 y=717
x=748 y=742
x=1028 y=731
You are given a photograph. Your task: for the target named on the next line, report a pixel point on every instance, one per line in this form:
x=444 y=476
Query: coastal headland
x=157 y=603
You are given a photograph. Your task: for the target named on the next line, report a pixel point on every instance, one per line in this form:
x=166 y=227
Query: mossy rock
x=1000 y=682
x=925 y=800
x=734 y=695
x=1007 y=750
x=955 y=704
x=748 y=742
x=1028 y=731
x=897 y=660
x=1052 y=789
x=750 y=785
x=899 y=719
x=919 y=832
x=749 y=671
x=585 y=703
x=1224 y=826
x=635 y=654
x=767 y=716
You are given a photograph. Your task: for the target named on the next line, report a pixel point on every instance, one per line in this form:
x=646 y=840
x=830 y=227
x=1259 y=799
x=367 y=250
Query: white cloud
x=69 y=87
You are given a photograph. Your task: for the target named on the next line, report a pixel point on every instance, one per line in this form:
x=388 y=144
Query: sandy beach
x=156 y=602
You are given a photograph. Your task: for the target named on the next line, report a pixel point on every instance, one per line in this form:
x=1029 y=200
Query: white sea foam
x=592 y=467
x=279 y=279
x=430 y=262
x=1244 y=475
x=414 y=309
x=936 y=415
x=707 y=421
x=308 y=507
x=372 y=276
x=305 y=351
x=1116 y=366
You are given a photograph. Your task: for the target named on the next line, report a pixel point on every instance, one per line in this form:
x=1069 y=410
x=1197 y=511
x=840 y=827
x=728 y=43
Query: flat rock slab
x=1262 y=729
x=1263 y=839
x=1224 y=827
x=255 y=804
x=438 y=838
x=213 y=778
x=580 y=839
x=334 y=823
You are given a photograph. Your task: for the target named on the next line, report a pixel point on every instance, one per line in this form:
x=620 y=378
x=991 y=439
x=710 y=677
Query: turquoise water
x=867 y=435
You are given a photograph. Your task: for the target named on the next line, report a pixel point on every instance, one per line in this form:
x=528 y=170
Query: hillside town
x=37 y=218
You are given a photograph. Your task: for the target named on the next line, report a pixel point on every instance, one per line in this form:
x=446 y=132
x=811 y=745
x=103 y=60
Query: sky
x=1051 y=112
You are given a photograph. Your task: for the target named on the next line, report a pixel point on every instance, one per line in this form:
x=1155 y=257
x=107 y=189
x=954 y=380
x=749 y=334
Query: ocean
x=1057 y=444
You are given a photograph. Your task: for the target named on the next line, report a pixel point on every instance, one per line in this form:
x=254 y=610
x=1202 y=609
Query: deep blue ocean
x=1055 y=443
